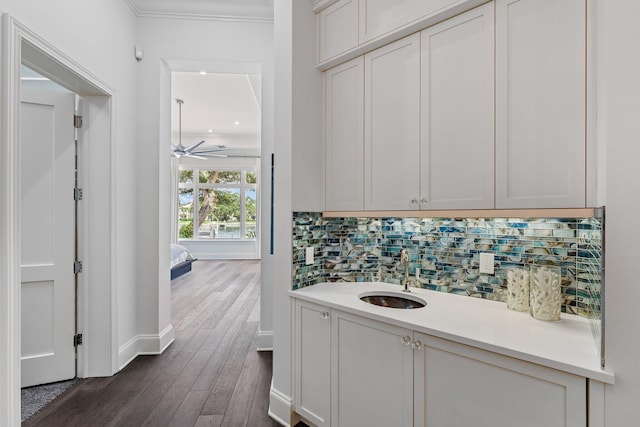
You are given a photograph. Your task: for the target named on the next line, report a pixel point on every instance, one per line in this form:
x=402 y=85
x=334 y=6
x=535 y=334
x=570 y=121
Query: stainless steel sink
x=392 y=299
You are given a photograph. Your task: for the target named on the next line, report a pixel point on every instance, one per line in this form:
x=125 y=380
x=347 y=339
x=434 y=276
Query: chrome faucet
x=404 y=258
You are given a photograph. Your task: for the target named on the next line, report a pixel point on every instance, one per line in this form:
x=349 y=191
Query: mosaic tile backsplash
x=446 y=250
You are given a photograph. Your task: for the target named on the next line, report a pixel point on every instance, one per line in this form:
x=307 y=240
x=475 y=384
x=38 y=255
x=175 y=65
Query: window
x=225 y=206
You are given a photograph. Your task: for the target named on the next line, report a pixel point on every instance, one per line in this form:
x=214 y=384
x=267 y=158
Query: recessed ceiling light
x=236 y=123
x=210 y=130
x=203 y=73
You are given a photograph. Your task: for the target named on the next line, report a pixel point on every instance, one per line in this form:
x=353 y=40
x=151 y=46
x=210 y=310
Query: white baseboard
x=145 y=344
x=280 y=407
x=265 y=340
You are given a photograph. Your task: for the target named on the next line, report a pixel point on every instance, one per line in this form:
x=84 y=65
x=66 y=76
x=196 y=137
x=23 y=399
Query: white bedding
x=180 y=254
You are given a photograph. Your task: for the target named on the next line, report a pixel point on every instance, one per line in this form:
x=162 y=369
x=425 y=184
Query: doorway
x=97 y=318
x=216 y=147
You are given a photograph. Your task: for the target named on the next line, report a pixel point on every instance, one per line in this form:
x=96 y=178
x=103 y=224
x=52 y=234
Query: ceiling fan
x=192 y=151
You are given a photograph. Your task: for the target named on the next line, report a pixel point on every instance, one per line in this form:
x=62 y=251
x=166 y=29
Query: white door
x=48 y=236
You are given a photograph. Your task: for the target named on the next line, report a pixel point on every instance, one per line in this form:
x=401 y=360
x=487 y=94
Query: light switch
x=486 y=262
x=309 y=255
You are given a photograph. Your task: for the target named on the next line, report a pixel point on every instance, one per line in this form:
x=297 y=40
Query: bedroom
x=215 y=139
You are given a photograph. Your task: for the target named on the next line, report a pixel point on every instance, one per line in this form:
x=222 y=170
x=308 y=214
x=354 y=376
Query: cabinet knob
x=417 y=345
x=405 y=340
x=414 y=201
x=324 y=314
x=423 y=201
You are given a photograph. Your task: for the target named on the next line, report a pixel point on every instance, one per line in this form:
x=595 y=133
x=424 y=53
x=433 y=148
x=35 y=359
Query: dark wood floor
x=211 y=375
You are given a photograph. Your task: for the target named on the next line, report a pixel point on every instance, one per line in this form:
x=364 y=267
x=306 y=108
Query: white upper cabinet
x=457 y=112
x=540 y=103
x=392 y=126
x=337 y=29
x=484 y=110
x=344 y=140
x=378 y=17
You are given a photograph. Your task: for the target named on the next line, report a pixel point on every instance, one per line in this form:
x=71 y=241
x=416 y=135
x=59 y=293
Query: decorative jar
x=546 y=292
x=518 y=289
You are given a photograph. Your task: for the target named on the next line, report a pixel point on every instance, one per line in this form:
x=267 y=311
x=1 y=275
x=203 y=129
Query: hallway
x=210 y=376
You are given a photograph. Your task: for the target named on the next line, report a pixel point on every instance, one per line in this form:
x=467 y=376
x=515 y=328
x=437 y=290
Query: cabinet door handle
x=405 y=340
x=324 y=314
x=417 y=345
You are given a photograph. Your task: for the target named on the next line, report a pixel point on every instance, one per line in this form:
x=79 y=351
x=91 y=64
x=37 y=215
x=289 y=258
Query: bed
x=181 y=260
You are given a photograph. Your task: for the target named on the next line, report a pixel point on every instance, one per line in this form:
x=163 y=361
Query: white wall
x=84 y=31
x=299 y=177
x=619 y=73
x=177 y=45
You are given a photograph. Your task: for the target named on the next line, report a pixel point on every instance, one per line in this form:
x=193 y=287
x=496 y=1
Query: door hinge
x=77 y=340
x=77 y=121
x=77 y=267
x=77 y=194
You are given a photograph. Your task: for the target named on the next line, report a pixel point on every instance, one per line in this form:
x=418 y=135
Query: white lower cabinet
x=312 y=362
x=461 y=386
x=354 y=371
x=371 y=373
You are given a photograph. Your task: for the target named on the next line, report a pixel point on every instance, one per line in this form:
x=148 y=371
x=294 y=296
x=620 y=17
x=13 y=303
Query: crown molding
x=202 y=10
x=204 y=17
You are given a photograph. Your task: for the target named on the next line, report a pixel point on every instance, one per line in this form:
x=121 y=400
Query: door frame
x=169 y=66
x=97 y=309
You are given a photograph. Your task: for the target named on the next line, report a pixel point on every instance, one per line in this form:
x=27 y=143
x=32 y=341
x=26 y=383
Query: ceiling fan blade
x=194 y=156
x=210 y=150
x=235 y=156
x=194 y=146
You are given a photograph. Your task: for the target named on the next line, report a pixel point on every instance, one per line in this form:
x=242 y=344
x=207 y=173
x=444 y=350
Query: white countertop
x=566 y=345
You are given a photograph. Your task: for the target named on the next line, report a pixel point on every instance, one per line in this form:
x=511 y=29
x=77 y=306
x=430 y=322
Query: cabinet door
x=460 y=386
x=540 y=103
x=313 y=362
x=392 y=125
x=378 y=17
x=344 y=173
x=372 y=373
x=337 y=29
x=457 y=112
